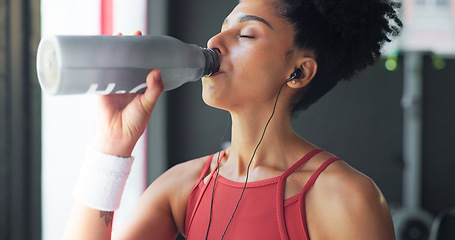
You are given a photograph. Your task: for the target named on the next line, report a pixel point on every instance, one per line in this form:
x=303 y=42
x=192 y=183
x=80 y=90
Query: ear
x=309 y=67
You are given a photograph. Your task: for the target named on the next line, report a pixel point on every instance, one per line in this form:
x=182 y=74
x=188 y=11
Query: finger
x=153 y=91
x=138 y=32
x=118 y=34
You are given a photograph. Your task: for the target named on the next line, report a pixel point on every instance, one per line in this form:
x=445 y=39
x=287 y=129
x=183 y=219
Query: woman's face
x=257 y=56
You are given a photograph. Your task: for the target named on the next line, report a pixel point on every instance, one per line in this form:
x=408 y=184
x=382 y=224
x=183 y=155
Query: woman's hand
x=122 y=118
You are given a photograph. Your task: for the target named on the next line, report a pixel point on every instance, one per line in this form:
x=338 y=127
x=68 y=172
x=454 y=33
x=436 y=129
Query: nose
x=216 y=43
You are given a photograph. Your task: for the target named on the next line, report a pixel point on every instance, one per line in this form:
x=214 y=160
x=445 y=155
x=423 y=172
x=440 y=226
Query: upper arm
x=354 y=208
x=160 y=211
x=364 y=214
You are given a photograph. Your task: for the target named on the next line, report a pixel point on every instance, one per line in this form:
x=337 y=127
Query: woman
x=277 y=57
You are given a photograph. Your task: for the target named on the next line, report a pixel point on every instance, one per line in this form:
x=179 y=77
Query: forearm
x=88 y=223
x=98 y=192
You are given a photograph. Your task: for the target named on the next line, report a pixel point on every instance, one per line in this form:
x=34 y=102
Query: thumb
x=153 y=91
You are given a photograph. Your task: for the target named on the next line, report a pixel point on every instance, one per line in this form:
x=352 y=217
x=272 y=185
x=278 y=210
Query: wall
x=188 y=116
x=438 y=136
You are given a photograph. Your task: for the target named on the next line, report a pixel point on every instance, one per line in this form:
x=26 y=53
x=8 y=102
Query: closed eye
x=246 y=36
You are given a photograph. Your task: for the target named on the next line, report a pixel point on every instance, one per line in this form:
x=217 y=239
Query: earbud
x=295 y=75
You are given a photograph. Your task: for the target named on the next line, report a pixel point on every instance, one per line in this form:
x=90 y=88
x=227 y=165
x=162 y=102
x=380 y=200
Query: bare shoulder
x=183 y=173
x=347 y=204
x=177 y=183
x=160 y=212
x=345 y=182
x=178 y=180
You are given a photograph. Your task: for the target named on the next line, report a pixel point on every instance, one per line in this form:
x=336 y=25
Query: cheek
x=257 y=85
x=252 y=64
x=243 y=62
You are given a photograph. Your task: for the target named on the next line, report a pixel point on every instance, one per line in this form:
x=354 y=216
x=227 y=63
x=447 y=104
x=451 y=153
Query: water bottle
x=118 y=64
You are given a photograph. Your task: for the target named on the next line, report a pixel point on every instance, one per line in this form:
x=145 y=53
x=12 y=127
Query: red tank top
x=262 y=213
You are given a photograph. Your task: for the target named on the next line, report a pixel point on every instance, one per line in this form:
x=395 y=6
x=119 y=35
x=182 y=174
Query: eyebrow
x=246 y=18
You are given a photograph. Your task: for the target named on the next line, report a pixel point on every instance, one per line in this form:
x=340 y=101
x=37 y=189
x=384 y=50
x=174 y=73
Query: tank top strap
x=204 y=188
x=307 y=187
x=316 y=174
x=208 y=163
x=299 y=163
x=280 y=191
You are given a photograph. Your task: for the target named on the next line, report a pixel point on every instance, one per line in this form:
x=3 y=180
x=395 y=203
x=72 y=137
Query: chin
x=212 y=99
x=208 y=97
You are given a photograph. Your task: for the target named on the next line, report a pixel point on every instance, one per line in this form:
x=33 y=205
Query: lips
x=215 y=74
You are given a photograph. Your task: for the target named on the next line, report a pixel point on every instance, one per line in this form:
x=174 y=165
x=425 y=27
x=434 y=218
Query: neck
x=247 y=130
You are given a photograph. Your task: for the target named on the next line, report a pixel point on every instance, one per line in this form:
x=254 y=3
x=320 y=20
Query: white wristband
x=102 y=180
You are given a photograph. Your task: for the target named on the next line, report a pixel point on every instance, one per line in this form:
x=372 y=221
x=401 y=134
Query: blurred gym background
x=399 y=112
